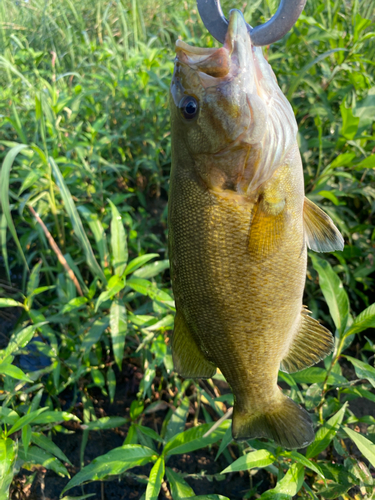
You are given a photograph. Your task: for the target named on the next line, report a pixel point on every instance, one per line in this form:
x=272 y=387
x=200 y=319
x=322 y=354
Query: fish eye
x=189 y=107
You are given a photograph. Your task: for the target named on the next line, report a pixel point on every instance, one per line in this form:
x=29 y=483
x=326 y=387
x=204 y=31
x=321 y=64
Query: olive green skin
x=241 y=304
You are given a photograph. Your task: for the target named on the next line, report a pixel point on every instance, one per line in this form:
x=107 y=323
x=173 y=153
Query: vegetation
x=85 y=152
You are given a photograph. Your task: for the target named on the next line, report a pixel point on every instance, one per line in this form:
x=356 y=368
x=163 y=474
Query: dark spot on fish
x=229 y=185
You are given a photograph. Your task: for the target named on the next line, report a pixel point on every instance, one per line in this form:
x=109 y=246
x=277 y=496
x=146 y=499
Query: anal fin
x=188 y=359
x=312 y=343
x=320 y=232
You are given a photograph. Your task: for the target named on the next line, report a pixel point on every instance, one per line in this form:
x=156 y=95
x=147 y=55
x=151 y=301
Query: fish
x=239 y=227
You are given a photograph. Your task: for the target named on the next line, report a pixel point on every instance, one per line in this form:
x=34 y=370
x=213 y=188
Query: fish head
x=228 y=113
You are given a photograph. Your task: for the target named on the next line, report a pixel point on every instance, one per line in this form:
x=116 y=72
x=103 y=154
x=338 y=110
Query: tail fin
x=288 y=424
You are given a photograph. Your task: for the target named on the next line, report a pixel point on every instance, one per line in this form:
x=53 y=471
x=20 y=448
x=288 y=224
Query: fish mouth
x=213 y=65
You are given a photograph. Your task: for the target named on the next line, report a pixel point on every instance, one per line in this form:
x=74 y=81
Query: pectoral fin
x=320 y=232
x=188 y=359
x=267 y=228
x=312 y=343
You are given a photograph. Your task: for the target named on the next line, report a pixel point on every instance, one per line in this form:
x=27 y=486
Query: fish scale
x=238 y=228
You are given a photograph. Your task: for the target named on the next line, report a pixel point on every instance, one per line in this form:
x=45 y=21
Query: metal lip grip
x=265 y=34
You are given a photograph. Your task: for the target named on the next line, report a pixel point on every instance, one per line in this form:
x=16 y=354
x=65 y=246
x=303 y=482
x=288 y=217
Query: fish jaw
x=241 y=110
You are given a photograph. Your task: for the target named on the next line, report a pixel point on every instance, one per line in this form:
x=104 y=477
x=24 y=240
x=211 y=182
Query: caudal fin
x=288 y=424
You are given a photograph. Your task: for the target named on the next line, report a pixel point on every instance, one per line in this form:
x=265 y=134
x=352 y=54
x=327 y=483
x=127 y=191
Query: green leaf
x=136 y=408
x=313 y=396
x=177 y=421
x=77 y=223
x=48 y=445
x=364 y=320
x=26 y=419
x=150 y=433
x=105 y=423
x=14 y=372
x=8 y=416
x=33 y=282
x=349 y=122
x=98 y=231
x=4 y=194
x=4 y=250
x=8 y=449
x=193 y=439
x=51 y=417
x=334 y=490
x=119 y=243
x=365 y=446
x=289 y=485
x=333 y=291
x=179 y=488
x=326 y=433
x=132 y=436
x=294 y=455
x=21 y=339
x=363 y=370
x=317 y=375
x=115 y=285
x=111 y=383
x=227 y=439
x=26 y=437
x=152 y=270
x=139 y=261
x=155 y=479
x=74 y=304
x=119 y=327
x=258 y=458
x=38 y=456
x=97 y=377
x=94 y=334
x=112 y=463
x=10 y=303
x=147 y=288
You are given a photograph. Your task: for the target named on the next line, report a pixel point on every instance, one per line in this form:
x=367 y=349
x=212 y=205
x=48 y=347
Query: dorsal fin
x=320 y=232
x=312 y=343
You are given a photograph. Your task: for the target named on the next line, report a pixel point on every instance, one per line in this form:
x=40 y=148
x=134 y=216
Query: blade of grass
x=76 y=222
x=3 y=243
x=4 y=194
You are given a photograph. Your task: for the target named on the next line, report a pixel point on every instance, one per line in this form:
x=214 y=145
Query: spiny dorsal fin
x=188 y=359
x=312 y=343
x=320 y=232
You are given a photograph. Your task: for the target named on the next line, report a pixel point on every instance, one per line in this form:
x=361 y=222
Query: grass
x=85 y=151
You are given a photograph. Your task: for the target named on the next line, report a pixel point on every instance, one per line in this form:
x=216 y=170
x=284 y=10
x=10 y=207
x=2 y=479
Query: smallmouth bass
x=239 y=227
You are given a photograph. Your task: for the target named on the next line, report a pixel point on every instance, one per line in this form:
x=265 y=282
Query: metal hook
x=269 y=32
